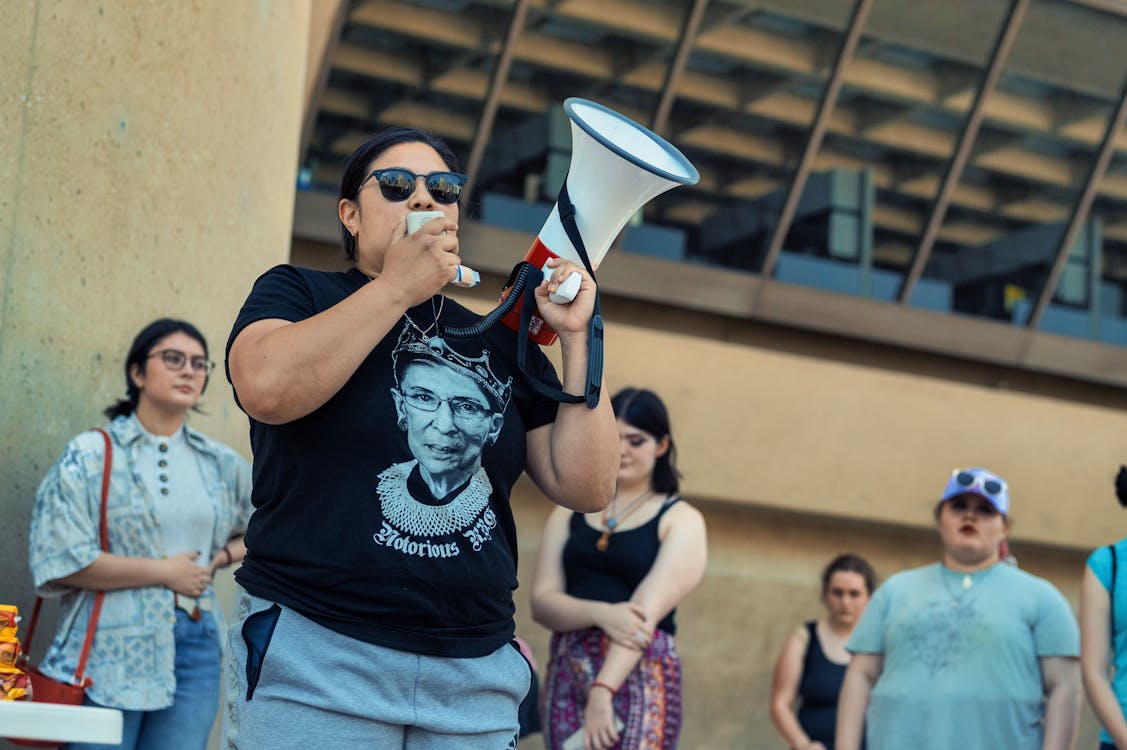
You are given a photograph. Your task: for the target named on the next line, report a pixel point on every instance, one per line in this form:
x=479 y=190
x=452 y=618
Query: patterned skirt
x=649 y=702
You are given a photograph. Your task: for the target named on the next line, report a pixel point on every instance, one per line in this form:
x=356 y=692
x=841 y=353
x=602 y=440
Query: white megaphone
x=617 y=166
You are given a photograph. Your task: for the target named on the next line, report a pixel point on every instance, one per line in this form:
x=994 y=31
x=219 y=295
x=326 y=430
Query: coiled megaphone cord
x=518 y=280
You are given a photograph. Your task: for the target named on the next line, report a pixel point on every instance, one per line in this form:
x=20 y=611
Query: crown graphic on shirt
x=413 y=346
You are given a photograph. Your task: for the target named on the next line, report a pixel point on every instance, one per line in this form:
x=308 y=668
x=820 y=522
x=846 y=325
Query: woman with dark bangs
x=607 y=585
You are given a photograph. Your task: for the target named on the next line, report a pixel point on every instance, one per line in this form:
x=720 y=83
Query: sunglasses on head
x=990 y=486
x=397 y=184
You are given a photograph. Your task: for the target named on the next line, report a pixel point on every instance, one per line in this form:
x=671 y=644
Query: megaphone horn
x=617 y=166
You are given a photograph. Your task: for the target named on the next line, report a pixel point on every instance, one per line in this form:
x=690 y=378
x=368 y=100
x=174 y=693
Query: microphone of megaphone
x=617 y=166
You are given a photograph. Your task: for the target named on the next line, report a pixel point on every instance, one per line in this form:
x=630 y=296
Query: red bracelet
x=596 y=684
x=228 y=553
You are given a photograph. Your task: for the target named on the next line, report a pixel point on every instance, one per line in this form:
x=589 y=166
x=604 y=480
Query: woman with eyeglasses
x=1103 y=634
x=607 y=585
x=969 y=652
x=385 y=454
x=811 y=666
x=178 y=505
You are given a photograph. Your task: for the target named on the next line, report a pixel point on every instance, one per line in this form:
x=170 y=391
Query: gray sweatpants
x=311 y=687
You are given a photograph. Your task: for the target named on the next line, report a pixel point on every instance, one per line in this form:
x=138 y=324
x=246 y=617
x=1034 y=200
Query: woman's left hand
x=569 y=317
x=598 y=721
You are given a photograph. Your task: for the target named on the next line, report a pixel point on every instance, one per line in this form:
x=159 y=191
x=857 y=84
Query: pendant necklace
x=966 y=584
x=436 y=313
x=612 y=520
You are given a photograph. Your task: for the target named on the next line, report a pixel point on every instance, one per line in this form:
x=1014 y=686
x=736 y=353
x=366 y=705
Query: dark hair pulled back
x=356 y=169
x=849 y=563
x=645 y=410
x=139 y=352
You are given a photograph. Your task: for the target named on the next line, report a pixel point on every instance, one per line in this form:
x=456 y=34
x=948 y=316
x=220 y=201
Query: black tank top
x=818 y=691
x=613 y=575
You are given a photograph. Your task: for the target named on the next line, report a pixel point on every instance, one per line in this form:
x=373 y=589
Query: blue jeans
x=186 y=724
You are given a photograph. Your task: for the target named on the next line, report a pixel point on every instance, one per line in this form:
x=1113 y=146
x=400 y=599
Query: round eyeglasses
x=397 y=184
x=464 y=409
x=174 y=359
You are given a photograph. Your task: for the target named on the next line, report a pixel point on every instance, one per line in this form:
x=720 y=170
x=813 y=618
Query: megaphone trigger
x=567 y=290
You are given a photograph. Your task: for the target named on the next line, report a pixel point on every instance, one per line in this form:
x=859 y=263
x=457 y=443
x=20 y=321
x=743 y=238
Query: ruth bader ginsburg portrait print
x=451 y=408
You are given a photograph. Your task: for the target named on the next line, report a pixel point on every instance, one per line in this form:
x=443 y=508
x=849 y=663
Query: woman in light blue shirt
x=177 y=507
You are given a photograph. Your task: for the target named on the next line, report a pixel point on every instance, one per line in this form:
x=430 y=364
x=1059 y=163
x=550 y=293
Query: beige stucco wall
x=147 y=161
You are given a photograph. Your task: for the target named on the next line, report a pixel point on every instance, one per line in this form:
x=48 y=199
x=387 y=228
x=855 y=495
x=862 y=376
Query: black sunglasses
x=397 y=184
x=990 y=486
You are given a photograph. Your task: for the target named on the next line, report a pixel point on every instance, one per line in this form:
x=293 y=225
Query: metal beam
x=493 y=97
x=813 y=143
x=954 y=170
x=325 y=27
x=1082 y=208
x=677 y=66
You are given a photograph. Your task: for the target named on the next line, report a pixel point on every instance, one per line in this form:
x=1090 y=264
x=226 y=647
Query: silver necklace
x=966 y=584
x=434 y=324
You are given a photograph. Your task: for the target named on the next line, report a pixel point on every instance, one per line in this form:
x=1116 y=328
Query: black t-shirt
x=612 y=576
x=384 y=515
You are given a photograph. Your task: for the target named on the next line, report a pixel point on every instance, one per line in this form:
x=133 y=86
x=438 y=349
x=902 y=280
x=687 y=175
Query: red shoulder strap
x=104 y=539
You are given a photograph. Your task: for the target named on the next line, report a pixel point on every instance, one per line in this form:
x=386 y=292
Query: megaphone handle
x=567 y=290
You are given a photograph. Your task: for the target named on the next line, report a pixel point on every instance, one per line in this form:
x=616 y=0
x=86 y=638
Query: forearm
x=113 y=572
x=294 y=369
x=563 y=613
x=785 y=721
x=237 y=547
x=584 y=447
x=852 y=703
x=231 y=553
x=1105 y=705
x=619 y=663
x=1062 y=707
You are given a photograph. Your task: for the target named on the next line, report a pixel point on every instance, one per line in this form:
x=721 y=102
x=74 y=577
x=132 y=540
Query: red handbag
x=46 y=689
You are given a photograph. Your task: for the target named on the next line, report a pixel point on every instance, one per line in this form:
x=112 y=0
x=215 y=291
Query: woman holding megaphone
x=385 y=453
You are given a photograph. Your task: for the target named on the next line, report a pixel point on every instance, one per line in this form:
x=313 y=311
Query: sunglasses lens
x=991 y=486
x=445 y=187
x=964 y=478
x=396 y=184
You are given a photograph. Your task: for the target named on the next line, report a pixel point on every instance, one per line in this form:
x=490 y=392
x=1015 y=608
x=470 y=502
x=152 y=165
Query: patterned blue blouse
x=131 y=662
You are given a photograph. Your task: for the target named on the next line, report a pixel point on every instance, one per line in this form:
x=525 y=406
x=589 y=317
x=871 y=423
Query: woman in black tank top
x=810 y=669
x=607 y=585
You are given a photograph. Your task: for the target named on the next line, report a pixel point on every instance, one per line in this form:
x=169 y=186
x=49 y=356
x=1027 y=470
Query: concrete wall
x=147 y=161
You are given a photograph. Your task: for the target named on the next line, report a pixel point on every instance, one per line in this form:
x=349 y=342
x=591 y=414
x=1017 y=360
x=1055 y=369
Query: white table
x=54 y=721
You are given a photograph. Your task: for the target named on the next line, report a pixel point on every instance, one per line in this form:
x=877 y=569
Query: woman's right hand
x=625 y=624
x=184 y=576
x=420 y=264
x=598 y=721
